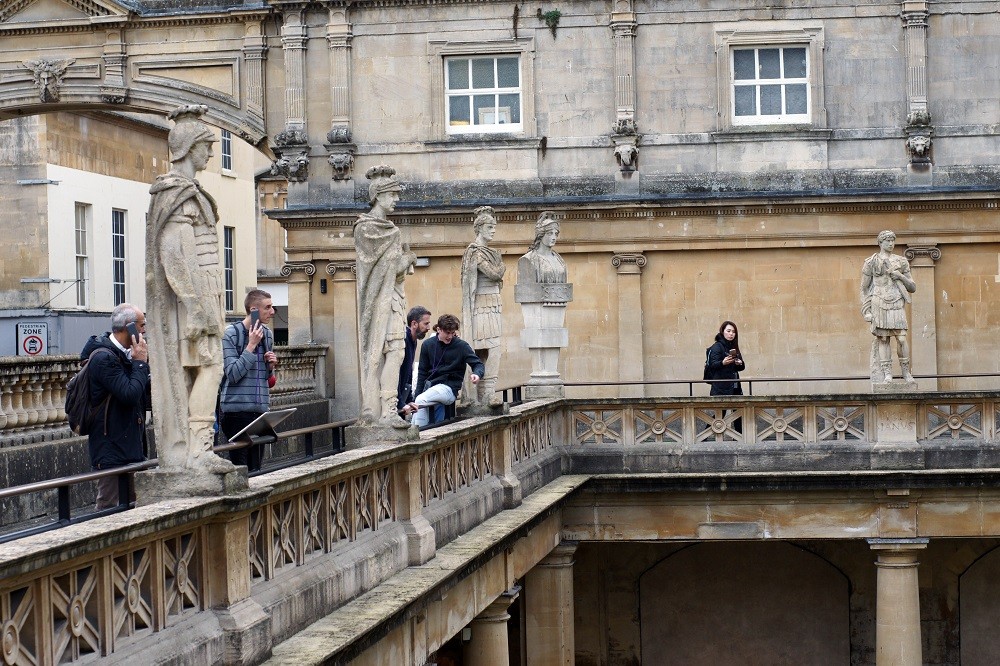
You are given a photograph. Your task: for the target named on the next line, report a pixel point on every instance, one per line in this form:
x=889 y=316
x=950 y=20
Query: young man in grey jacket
x=248 y=374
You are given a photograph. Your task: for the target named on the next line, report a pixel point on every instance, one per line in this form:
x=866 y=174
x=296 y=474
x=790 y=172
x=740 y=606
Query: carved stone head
x=383 y=180
x=188 y=130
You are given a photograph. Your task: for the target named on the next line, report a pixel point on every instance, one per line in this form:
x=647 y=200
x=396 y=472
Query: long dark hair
x=735 y=344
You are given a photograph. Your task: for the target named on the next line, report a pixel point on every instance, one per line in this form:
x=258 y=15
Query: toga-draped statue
x=184 y=291
x=383 y=264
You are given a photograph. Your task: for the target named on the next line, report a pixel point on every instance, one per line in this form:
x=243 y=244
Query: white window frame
x=731 y=37
x=481 y=125
x=229 y=266
x=82 y=222
x=226 y=151
x=438 y=51
x=119 y=252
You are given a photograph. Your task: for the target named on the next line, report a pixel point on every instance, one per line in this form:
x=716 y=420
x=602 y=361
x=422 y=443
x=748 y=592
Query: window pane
x=743 y=65
x=482 y=73
x=795 y=63
x=795 y=98
x=510 y=108
x=746 y=100
x=458 y=110
x=458 y=74
x=484 y=110
x=508 y=75
x=770 y=66
x=770 y=100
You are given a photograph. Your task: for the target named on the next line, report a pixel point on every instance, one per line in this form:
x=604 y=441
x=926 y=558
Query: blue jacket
x=244 y=383
x=127 y=382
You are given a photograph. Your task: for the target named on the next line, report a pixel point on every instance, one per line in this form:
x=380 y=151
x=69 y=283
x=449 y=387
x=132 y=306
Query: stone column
x=300 y=276
x=344 y=373
x=549 y=609
x=923 y=313
x=113 y=87
x=624 y=133
x=630 y=324
x=897 y=604
x=339 y=145
x=918 y=118
x=254 y=53
x=294 y=37
x=488 y=645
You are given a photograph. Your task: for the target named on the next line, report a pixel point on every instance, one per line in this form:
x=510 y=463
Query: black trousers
x=253 y=454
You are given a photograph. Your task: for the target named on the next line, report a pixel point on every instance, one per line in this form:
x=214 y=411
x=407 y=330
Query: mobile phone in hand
x=133 y=332
x=254 y=318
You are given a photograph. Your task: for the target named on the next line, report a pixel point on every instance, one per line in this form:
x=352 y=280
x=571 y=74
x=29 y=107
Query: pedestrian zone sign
x=32 y=339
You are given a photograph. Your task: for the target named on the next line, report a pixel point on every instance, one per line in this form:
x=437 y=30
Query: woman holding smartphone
x=725 y=360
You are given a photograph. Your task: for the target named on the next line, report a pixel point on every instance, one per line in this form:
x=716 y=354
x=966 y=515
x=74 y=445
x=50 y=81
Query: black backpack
x=79 y=411
x=708 y=374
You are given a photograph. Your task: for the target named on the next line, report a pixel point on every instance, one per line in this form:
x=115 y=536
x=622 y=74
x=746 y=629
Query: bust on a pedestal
x=886 y=285
x=543 y=293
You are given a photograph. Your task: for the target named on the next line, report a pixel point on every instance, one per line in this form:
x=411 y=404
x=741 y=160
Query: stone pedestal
x=897 y=610
x=894 y=386
x=544 y=309
x=549 y=609
x=156 y=485
x=488 y=644
x=357 y=436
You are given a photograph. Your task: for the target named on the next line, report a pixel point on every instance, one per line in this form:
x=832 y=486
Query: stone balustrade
x=250 y=571
x=33 y=390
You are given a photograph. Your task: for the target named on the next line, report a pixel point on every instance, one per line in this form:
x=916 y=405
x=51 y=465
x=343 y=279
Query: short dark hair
x=254 y=296
x=416 y=313
x=447 y=323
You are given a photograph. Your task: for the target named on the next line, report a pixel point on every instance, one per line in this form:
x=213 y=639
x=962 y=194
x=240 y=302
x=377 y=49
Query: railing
x=64 y=485
x=33 y=390
x=750 y=381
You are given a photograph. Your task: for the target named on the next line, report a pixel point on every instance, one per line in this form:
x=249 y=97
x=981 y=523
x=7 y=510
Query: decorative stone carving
x=543 y=293
x=628 y=263
x=334 y=267
x=383 y=264
x=625 y=126
x=292 y=149
x=342 y=164
x=482 y=308
x=339 y=134
x=626 y=152
x=886 y=285
x=184 y=290
x=48 y=74
x=307 y=267
x=912 y=252
x=918 y=136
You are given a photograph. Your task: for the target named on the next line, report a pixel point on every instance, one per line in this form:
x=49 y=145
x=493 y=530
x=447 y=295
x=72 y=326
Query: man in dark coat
x=121 y=378
x=443 y=359
x=418 y=322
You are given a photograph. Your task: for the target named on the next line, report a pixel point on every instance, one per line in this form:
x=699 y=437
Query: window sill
x=464 y=141
x=771 y=133
x=229 y=173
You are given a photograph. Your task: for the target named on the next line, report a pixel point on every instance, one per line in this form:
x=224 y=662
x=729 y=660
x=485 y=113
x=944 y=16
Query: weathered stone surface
x=482 y=310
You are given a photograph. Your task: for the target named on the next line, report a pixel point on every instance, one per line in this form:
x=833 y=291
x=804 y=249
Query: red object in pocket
x=272 y=380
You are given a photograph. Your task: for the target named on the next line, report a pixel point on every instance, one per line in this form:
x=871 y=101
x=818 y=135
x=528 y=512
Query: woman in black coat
x=725 y=360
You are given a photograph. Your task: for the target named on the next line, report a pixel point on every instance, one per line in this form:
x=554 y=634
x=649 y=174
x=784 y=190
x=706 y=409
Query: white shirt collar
x=128 y=352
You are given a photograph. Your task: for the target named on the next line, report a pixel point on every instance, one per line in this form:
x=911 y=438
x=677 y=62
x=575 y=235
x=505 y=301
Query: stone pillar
x=254 y=53
x=624 y=133
x=339 y=145
x=294 y=37
x=630 y=324
x=408 y=508
x=300 y=276
x=549 y=609
x=918 y=118
x=343 y=369
x=923 y=313
x=113 y=87
x=488 y=645
x=897 y=605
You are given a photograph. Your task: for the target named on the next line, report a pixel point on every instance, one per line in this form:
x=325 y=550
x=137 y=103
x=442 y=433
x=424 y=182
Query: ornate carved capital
x=931 y=252
x=628 y=263
x=342 y=266
x=306 y=267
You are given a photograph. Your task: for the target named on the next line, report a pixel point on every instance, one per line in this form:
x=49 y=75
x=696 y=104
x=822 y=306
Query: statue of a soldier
x=886 y=286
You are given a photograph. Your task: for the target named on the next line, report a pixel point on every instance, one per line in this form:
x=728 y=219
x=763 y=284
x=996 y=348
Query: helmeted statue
x=482 y=305
x=184 y=290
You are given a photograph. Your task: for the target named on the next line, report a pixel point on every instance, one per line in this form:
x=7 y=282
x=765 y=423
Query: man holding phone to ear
x=119 y=374
x=248 y=362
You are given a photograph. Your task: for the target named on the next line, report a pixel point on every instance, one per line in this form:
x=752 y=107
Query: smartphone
x=133 y=332
x=254 y=318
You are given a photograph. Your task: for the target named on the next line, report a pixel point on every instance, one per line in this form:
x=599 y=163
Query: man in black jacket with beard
x=442 y=368
x=119 y=375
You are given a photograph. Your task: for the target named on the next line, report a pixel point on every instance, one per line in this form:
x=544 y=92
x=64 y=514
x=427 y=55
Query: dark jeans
x=251 y=455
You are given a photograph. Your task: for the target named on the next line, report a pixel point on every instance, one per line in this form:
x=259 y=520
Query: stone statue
x=482 y=307
x=886 y=286
x=383 y=263
x=184 y=289
x=543 y=293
